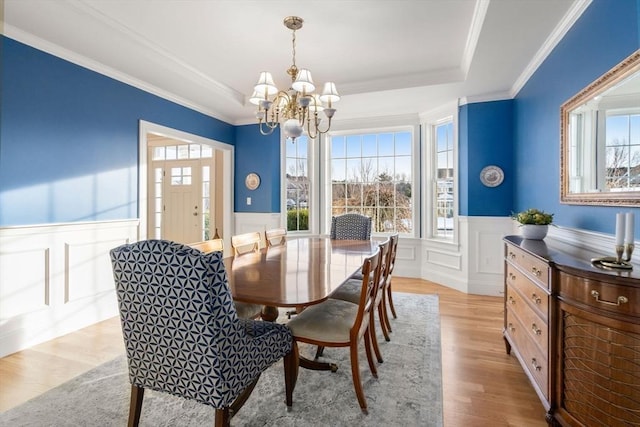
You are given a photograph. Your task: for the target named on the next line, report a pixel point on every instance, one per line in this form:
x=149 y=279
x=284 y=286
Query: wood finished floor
x=482 y=385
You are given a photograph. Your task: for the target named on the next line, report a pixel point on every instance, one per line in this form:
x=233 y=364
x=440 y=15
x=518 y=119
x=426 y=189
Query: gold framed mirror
x=600 y=140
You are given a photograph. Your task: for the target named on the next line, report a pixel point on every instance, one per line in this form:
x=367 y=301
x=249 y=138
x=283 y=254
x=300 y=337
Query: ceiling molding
x=82 y=61
x=487 y=97
x=479 y=13
x=565 y=24
x=406 y=81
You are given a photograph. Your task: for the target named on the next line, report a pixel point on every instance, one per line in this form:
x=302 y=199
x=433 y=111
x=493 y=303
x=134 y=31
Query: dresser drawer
x=534 y=325
x=619 y=299
x=535 y=268
x=536 y=297
x=532 y=359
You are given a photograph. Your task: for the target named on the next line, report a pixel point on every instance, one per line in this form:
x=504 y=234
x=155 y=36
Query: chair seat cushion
x=246 y=310
x=329 y=321
x=350 y=291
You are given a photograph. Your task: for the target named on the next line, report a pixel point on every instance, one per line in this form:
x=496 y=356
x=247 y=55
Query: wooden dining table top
x=304 y=271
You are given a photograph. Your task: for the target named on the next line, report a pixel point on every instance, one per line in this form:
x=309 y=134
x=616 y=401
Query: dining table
x=301 y=272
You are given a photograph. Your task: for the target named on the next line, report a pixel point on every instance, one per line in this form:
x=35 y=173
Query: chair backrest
x=385 y=256
x=208 y=245
x=275 y=237
x=178 y=319
x=370 y=278
x=351 y=226
x=392 y=254
x=247 y=242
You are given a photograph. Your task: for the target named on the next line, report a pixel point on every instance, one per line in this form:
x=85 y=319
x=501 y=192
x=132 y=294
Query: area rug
x=408 y=391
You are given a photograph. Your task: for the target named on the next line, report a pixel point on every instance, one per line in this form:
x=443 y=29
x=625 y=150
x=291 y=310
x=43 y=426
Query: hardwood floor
x=482 y=385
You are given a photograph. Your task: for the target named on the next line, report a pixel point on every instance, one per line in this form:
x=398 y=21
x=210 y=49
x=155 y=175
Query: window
x=372 y=174
x=444 y=173
x=297 y=184
x=622 y=147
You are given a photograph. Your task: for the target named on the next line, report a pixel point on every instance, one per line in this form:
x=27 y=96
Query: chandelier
x=298 y=108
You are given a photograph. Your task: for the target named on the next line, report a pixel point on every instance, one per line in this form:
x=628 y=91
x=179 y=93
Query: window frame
x=375 y=126
x=429 y=123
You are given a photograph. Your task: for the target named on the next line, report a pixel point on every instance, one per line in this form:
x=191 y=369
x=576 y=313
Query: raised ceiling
x=386 y=57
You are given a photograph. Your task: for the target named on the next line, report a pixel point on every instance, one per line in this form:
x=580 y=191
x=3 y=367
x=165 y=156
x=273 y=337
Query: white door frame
x=227 y=176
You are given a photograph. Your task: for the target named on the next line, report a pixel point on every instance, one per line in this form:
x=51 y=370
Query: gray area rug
x=408 y=391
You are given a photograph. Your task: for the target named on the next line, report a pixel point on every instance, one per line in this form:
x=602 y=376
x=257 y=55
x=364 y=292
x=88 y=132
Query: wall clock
x=492 y=176
x=252 y=181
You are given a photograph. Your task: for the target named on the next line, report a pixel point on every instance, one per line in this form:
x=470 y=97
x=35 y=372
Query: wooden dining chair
x=338 y=323
x=209 y=245
x=275 y=236
x=243 y=309
x=388 y=297
x=351 y=289
x=245 y=243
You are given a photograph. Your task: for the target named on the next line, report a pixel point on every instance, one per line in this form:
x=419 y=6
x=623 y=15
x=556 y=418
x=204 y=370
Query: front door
x=182 y=201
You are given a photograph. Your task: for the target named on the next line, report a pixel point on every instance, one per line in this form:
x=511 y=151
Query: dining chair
x=350 y=291
x=245 y=243
x=182 y=335
x=337 y=323
x=350 y=226
x=243 y=309
x=275 y=236
x=388 y=300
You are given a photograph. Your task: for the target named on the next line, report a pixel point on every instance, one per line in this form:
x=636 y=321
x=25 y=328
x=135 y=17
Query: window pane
x=353 y=170
x=369 y=145
x=171 y=152
x=183 y=151
x=338 y=147
x=338 y=170
x=403 y=168
x=207 y=151
x=158 y=153
x=354 y=146
x=194 y=151
x=385 y=144
x=297 y=184
x=403 y=144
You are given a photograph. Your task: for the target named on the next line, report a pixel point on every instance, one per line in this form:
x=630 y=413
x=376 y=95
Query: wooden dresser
x=575 y=329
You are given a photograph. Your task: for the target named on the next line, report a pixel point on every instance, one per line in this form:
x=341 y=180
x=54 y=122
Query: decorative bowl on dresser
x=575 y=329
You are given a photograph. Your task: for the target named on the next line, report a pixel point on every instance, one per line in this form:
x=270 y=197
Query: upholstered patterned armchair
x=351 y=226
x=181 y=331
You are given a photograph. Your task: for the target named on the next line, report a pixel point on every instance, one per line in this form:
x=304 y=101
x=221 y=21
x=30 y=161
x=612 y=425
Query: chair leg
x=385 y=304
x=355 y=373
x=381 y=316
x=291 y=362
x=367 y=348
x=222 y=417
x=319 y=352
x=390 y=298
x=135 y=406
x=374 y=339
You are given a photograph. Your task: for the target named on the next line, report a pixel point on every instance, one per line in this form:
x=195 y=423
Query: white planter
x=534 y=232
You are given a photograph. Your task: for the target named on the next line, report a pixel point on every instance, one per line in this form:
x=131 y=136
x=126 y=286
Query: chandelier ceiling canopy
x=298 y=108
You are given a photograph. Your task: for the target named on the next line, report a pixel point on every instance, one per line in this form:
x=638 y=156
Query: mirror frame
x=624 y=69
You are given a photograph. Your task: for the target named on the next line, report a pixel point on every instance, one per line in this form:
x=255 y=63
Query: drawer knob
x=511 y=327
x=536 y=299
x=535 y=365
x=511 y=300
x=621 y=299
x=512 y=255
x=536 y=272
x=535 y=329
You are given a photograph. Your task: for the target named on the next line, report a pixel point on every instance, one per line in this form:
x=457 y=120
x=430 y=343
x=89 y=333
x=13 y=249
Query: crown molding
x=479 y=13
x=487 y=97
x=565 y=24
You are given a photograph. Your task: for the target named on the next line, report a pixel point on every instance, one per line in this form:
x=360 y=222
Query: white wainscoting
x=56 y=279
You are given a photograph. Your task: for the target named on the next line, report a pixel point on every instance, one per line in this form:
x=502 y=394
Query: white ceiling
x=386 y=57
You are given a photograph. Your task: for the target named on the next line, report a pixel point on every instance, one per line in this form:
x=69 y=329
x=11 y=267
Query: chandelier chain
x=294 y=47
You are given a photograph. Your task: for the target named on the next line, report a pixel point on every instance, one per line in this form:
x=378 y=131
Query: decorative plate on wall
x=252 y=181
x=492 y=176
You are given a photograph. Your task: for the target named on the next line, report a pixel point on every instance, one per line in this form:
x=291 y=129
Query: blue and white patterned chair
x=181 y=331
x=350 y=226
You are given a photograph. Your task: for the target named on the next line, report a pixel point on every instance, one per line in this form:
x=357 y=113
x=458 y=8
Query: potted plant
x=534 y=223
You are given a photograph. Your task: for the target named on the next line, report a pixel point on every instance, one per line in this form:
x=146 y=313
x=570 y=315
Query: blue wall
x=606 y=33
x=259 y=154
x=69 y=139
x=485 y=138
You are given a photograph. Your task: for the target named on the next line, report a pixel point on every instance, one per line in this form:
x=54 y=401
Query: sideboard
x=575 y=329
